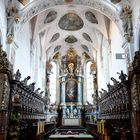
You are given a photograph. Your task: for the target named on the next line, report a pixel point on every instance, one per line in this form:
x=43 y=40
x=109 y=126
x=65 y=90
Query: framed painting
x=71 y=91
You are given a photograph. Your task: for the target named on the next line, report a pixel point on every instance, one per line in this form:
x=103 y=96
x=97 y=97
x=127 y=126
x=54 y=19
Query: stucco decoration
x=91 y=17
x=71 y=22
x=51 y=16
x=71 y=39
x=87 y=37
x=85 y=47
x=54 y=37
x=57 y=48
x=103 y=6
x=126 y=17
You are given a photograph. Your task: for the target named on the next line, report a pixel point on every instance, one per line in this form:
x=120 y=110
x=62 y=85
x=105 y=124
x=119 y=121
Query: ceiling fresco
x=71 y=39
x=91 y=17
x=87 y=37
x=71 y=22
x=85 y=47
x=57 y=48
x=51 y=16
x=54 y=37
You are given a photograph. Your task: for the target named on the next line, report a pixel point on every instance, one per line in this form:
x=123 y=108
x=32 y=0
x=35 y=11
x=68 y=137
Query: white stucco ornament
x=103 y=6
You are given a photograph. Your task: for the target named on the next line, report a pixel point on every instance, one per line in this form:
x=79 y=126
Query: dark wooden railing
x=115 y=104
x=115 y=109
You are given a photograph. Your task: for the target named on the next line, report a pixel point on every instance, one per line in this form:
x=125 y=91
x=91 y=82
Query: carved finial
x=37 y=91
x=114 y=81
x=104 y=91
x=41 y=92
x=17 y=75
x=32 y=86
x=122 y=76
x=26 y=80
x=100 y=92
x=110 y=87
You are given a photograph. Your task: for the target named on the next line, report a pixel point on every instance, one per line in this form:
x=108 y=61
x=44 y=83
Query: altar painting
x=71 y=91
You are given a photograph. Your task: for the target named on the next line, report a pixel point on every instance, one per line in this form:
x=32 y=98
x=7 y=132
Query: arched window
x=89 y=83
x=53 y=83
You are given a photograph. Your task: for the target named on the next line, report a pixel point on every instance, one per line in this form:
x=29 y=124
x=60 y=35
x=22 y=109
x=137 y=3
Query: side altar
x=71 y=88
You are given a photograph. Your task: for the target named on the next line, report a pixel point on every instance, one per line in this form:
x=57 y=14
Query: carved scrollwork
x=136 y=62
x=122 y=76
x=4 y=63
x=24 y=82
x=32 y=86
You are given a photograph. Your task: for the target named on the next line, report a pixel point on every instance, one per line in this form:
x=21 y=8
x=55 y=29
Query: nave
x=69 y=69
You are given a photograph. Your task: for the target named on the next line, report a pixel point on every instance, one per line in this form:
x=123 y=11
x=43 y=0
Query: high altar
x=71 y=88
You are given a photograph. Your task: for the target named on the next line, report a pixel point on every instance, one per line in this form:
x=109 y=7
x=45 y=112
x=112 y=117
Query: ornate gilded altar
x=71 y=88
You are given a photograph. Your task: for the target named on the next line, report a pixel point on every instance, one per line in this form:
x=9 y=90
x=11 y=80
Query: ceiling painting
x=71 y=22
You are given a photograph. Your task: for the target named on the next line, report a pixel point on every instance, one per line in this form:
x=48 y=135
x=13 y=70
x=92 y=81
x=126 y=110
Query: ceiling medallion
x=51 y=16
x=85 y=47
x=71 y=39
x=54 y=37
x=91 y=17
x=87 y=37
x=71 y=22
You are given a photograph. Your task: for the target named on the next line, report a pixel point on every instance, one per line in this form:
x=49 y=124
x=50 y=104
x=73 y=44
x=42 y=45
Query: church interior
x=71 y=73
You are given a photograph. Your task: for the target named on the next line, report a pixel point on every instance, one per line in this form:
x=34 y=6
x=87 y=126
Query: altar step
x=72 y=132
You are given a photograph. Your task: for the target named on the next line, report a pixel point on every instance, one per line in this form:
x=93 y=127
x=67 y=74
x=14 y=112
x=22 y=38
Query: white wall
x=22 y=60
x=29 y=63
x=116 y=65
x=3 y=22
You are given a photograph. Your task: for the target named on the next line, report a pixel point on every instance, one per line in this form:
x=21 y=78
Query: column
x=64 y=111
x=79 y=90
x=63 y=90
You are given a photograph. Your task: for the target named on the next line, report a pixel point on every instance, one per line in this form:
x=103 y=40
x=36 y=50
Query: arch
x=38 y=6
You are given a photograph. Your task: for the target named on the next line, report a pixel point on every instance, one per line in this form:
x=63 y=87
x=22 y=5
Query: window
x=53 y=83
x=89 y=83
